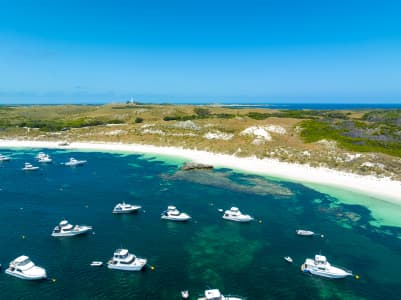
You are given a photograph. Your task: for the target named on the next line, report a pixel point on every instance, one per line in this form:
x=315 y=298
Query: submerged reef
x=221 y=179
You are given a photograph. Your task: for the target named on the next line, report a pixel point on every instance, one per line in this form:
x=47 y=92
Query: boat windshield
x=129 y=261
x=24 y=262
x=121 y=256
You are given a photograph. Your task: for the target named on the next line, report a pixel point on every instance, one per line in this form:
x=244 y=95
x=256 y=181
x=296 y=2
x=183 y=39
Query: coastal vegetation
x=361 y=141
x=378 y=131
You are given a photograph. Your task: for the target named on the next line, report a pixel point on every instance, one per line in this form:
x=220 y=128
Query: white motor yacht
x=215 y=294
x=234 y=214
x=43 y=158
x=321 y=267
x=22 y=267
x=66 y=229
x=304 y=232
x=173 y=214
x=123 y=260
x=29 y=167
x=74 y=162
x=4 y=158
x=125 y=208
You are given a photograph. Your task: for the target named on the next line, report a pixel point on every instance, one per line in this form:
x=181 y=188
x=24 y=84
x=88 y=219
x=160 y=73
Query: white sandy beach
x=382 y=188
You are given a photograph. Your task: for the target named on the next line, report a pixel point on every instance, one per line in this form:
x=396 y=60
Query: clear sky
x=200 y=51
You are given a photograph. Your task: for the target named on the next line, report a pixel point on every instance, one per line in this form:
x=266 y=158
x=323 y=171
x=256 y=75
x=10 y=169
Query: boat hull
x=30 y=169
x=74 y=164
x=72 y=233
x=24 y=276
x=304 y=232
x=176 y=219
x=126 y=211
x=240 y=220
x=133 y=267
x=45 y=161
x=224 y=298
x=330 y=275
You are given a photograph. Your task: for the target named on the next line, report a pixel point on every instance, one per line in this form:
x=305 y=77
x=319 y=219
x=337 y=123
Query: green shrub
x=202 y=112
x=258 y=116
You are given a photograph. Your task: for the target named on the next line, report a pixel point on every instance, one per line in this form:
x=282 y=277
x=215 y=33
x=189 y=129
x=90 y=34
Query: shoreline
x=384 y=188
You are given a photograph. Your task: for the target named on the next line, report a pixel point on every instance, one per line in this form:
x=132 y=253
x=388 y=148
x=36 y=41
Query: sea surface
x=318 y=106
x=276 y=105
x=242 y=259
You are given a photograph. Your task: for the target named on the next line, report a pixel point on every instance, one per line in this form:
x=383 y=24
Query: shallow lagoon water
x=244 y=259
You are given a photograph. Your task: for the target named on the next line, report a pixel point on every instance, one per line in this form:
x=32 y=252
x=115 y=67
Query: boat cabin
x=320 y=259
x=213 y=294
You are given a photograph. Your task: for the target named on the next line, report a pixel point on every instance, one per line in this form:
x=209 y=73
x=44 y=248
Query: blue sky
x=200 y=51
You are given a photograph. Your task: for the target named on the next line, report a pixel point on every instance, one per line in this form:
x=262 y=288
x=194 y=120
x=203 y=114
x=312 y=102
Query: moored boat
x=173 y=214
x=214 y=294
x=321 y=267
x=304 y=232
x=96 y=263
x=64 y=229
x=234 y=214
x=22 y=267
x=288 y=259
x=125 y=208
x=185 y=294
x=29 y=167
x=75 y=162
x=4 y=158
x=123 y=260
x=43 y=158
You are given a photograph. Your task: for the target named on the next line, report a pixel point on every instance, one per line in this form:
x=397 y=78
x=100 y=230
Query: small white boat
x=123 y=260
x=22 y=267
x=96 y=263
x=66 y=229
x=304 y=232
x=173 y=214
x=234 y=214
x=29 y=167
x=321 y=267
x=288 y=259
x=4 y=158
x=185 y=294
x=125 y=208
x=43 y=158
x=74 y=162
x=215 y=294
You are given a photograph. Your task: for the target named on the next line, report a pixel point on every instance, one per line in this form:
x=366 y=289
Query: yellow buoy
x=54 y=280
x=260 y=221
x=152 y=268
x=357 y=277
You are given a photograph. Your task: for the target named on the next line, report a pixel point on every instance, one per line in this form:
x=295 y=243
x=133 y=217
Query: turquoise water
x=243 y=259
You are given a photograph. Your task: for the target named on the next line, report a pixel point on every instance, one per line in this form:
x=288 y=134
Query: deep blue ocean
x=319 y=106
x=296 y=106
x=242 y=259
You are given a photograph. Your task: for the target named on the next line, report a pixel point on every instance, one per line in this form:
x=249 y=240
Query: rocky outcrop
x=195 y=166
